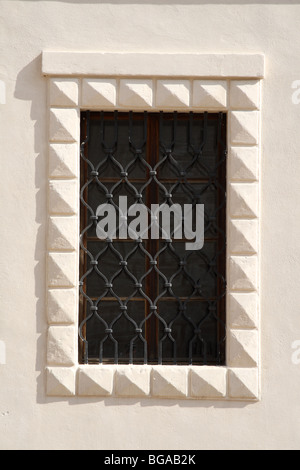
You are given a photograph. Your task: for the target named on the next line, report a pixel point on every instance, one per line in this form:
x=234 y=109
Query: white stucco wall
x=28 y=418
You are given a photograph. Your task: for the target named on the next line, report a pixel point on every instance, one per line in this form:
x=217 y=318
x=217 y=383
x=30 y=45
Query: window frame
x=227 y=83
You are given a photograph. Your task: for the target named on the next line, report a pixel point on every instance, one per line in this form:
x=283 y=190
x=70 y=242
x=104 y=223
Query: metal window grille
x=151 y=301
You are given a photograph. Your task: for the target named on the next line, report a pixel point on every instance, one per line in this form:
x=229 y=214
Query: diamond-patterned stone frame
x=240 y=98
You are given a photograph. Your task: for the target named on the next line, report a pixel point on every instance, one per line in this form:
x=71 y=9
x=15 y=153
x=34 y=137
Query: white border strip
x=151 y=65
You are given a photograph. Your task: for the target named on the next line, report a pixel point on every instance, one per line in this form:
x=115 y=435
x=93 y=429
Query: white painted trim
x=152 y=65
x=240 y=378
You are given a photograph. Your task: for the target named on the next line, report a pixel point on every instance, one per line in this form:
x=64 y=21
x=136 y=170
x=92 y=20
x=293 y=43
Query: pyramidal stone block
x=243 y=383
x=244 y=127
x=64 y=125
x=243 y=348
x=210 y=94
x=173 y=93
x=99 y=92
x=61 y=345
x=62 y=305
x=243 y=272
x=243 y=163
x=61 y=381
x=208 y=382
x=133 y=381
x=245 y=94
x=62 y=233
x=63 y=92
x=95 y=381
x=61 y=269
x=243 y=199
x=243 y=236
x=243 y=310
x=169 y=382
x=63 y=198
x=136 y=93
x=63 y=160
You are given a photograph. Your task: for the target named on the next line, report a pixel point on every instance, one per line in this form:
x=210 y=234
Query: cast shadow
x=37 y=96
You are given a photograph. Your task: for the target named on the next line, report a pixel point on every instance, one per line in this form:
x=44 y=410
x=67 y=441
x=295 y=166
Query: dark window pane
x=151 y=300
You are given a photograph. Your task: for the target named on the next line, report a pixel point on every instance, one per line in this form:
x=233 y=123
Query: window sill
x=173 y=382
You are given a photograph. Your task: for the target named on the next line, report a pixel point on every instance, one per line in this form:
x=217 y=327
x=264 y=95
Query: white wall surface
x=29 y=419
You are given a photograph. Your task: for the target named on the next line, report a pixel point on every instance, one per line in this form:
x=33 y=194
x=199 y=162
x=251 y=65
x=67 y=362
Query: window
x=147 y=299
x=187 y=83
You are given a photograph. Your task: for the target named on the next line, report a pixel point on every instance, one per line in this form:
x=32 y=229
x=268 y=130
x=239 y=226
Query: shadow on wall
x=29 y=75
x=176 y=2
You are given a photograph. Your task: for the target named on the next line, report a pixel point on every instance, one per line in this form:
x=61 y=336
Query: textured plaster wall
x=29 y=419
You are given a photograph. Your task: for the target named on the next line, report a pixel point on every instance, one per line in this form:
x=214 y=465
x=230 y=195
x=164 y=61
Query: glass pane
x=151 y=300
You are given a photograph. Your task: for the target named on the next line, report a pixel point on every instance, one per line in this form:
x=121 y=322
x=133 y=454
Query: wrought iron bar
x=143 y=300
